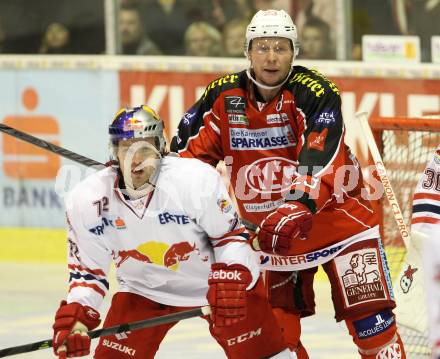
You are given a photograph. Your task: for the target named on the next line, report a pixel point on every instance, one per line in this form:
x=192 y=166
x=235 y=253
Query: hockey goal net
x=406 y=145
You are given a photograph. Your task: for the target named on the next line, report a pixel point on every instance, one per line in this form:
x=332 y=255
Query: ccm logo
x=243 y=337
x=221 y=274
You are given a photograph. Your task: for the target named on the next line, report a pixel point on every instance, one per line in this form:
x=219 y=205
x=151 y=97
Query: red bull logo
x=160 y=254
x=178 y=252
x=133 y=253
x=133 y=124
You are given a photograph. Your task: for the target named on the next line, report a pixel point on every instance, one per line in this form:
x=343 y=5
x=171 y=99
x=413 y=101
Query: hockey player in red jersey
x=170 y=227
x=279 y=129
x=426 y=221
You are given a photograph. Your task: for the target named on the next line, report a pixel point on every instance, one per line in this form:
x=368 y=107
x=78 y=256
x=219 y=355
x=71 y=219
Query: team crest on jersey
x=235 y=105
x=360 y=276
x=271 y=174
x=224 y=205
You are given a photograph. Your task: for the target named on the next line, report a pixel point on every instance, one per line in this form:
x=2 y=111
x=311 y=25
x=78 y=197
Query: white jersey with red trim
x=426 y=220
x=163 y=244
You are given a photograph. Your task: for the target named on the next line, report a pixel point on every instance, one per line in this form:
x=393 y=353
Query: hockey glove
x=72 y=321
x=227 y=293
x=289 y=221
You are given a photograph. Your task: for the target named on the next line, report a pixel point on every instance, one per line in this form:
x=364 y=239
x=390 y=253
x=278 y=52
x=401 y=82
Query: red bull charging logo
x=160 y=253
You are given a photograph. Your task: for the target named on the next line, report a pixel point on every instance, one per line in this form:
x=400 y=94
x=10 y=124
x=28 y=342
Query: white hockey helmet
x=272 y=23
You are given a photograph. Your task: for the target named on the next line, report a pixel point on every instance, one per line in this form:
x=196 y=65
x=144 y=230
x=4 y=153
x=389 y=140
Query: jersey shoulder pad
x=224 y=83
x=187 y=169
x=95 y=186
x=308 y=83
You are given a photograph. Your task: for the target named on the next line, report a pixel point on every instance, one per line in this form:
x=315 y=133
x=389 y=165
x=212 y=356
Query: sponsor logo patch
x=133 y=124
x=316 y=140
x=99 y=229
x=277 y=118
x=242 y=139
x=300 y=259
x=119 y=347
x=392 y=351
x=188 y=118
x=374 y=324
x=245 y=336
x=262 y=207
x=235 y=119
x=166 y=217
x=325 y=119
x=360 y=276
x=235 y=105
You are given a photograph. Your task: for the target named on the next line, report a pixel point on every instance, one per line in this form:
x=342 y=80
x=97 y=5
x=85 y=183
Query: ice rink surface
x=30 y=295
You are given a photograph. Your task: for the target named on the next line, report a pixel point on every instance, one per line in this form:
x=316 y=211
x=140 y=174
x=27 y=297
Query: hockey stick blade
x=50 y=146
x=142 y=324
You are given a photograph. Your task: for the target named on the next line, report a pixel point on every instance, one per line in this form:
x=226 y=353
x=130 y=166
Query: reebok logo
x=221 y=274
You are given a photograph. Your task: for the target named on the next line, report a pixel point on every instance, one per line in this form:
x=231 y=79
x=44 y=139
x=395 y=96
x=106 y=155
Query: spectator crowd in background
x=205 y=28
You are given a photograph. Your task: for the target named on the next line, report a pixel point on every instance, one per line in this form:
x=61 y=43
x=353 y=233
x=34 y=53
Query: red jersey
x=291 y=148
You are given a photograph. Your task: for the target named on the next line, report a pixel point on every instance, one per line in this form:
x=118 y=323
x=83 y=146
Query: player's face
x=270 y=59
x=138 y=159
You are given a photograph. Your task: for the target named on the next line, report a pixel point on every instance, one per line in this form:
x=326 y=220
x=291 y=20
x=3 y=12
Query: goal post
x=405 y=146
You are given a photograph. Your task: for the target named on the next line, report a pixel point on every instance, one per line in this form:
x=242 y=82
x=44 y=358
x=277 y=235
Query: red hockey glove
x=289 y=221
x=227 y=293
x=72 y=321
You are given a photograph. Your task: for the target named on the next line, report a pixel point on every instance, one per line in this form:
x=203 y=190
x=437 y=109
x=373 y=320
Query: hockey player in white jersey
x=426 y=220
x=168 y=224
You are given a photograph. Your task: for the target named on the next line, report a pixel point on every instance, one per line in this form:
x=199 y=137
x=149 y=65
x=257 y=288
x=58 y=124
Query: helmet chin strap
x=265 y=87
x=146 y=188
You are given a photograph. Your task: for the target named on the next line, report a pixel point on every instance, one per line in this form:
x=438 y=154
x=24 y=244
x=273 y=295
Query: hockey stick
x=408 y=289
x=142 y=324
x=382 y=173
x=50 y=146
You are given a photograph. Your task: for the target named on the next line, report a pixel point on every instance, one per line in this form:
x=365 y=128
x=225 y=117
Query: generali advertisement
x=72 y=108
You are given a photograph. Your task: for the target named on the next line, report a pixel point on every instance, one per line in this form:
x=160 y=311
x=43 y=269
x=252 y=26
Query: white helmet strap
x=265 y=87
